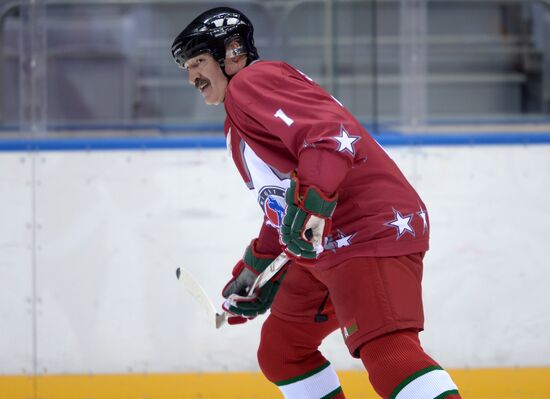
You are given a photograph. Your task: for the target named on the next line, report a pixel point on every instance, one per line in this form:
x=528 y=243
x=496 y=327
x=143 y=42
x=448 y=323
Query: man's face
x=207 y=76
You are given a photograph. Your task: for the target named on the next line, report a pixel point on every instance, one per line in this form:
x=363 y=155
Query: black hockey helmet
x=211 y=32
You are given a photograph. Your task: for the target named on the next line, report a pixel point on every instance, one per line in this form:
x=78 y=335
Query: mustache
x=199 y=82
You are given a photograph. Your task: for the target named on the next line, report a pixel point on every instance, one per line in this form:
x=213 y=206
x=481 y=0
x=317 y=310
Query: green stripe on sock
x=445 y=394
x=303 y=376
x=333 y=393
x=413 y=377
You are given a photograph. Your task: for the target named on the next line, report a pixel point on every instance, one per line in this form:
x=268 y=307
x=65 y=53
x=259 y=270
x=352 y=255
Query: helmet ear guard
x=211 y=32
x=230 y=53
x=235 y=52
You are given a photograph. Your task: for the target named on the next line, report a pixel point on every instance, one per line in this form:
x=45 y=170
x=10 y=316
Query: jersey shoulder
x=261 y=76
x=260 y=70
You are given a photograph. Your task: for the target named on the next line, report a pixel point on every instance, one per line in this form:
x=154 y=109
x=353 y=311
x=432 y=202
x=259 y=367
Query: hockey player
x=355 y=229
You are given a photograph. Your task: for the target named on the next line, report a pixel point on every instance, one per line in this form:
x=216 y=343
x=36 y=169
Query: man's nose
x=192 y=77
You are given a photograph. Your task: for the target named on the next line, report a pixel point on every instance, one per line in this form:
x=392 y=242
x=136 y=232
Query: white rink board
x=113 y=226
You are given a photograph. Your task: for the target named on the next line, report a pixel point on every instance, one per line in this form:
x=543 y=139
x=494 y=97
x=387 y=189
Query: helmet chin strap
x=222 y=66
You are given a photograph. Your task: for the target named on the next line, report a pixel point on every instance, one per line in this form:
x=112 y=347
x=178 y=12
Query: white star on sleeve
x=401 y=223
x=345 y=141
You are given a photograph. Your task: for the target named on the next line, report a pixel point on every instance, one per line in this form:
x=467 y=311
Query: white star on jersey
x=344 y=241
x=422 y=213
x=345 y=141
x=401 y=223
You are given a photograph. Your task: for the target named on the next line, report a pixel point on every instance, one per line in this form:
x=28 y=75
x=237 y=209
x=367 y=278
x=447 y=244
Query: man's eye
x=194 y=63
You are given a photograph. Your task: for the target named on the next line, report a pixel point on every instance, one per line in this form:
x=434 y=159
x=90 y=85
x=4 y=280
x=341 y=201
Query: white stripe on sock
x=427 y=386
x=313 y=387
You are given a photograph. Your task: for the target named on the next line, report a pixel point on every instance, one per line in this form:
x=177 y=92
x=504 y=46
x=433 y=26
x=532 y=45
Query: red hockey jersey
x=279 y=121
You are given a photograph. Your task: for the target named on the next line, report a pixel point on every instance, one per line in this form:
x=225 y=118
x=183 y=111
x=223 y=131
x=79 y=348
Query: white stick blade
x=198 y=293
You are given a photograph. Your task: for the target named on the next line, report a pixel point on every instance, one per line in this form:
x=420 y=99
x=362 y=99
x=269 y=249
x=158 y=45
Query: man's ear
x=234 y=50
x=235 y=58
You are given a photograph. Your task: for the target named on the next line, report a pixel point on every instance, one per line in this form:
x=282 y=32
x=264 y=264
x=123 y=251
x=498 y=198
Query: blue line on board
x=112 y=143
x=218 y=141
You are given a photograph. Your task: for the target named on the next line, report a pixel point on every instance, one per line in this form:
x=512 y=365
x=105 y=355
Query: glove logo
x=272 y=201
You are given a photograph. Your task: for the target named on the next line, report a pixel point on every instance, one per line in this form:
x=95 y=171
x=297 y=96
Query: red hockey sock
x=289 y=357
x=398 y=366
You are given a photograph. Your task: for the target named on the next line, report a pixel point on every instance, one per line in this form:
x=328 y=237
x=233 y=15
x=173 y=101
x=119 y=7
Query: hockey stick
x=197 y=292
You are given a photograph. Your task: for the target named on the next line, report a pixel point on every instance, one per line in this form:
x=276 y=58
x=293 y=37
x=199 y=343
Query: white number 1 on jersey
x=284 y=117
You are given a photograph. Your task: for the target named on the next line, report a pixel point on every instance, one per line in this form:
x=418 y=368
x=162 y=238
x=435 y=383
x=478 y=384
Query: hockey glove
x=238 y=304
x=307 y=221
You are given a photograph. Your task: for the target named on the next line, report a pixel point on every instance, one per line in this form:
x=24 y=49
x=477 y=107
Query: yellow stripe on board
x=521 y=383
